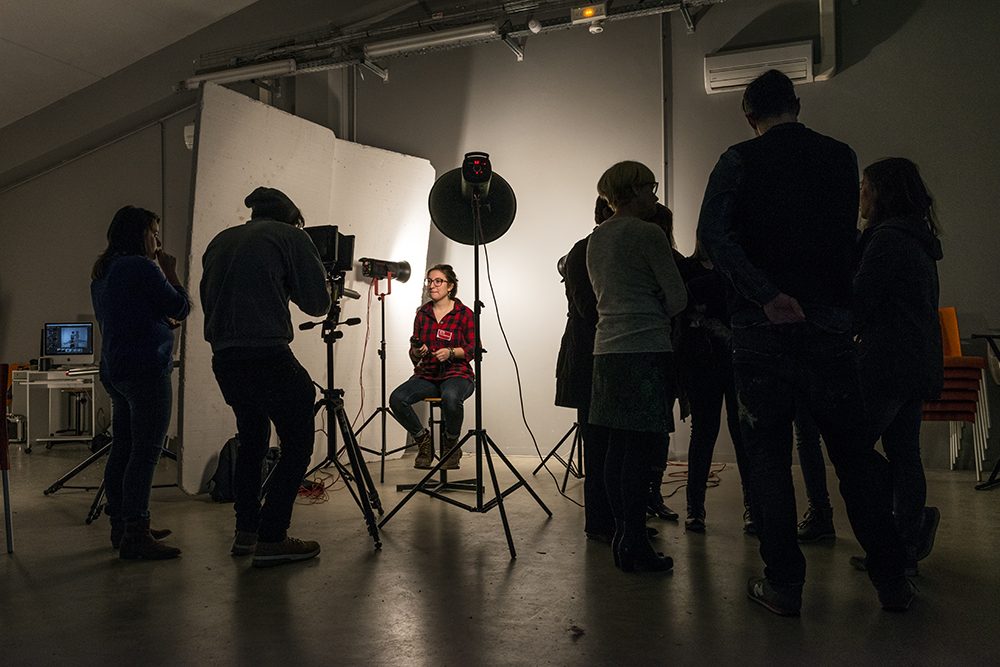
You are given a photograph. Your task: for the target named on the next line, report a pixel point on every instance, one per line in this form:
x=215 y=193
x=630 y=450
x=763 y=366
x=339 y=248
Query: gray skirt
x=634 y=391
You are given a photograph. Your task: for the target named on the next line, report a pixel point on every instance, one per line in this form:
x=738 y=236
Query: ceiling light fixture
x=431 y=40
x=262 y=71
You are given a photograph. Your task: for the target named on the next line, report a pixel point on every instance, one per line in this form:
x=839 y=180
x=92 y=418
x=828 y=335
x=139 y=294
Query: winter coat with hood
x=896 y=309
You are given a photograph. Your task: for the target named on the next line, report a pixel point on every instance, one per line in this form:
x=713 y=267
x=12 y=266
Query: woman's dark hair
x=602 y=211
x=126 y=236
x=897 y=190
x=664 y=219
x=449 y=273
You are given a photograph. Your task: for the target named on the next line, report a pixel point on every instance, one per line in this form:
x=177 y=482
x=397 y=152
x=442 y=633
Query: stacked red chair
x=963 y=400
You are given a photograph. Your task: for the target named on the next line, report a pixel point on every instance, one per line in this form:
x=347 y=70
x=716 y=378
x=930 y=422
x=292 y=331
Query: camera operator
x=250 y=273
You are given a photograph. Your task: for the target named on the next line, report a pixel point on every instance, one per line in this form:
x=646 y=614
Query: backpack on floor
x=222 y=486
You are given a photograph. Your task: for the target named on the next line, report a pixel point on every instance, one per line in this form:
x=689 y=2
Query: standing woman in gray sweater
x=638 y=290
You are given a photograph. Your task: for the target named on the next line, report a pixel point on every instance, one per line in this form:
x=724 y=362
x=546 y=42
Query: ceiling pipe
x=827 y=65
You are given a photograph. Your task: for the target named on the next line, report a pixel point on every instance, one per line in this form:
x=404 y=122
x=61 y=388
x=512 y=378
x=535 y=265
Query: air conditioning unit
x=733 y=70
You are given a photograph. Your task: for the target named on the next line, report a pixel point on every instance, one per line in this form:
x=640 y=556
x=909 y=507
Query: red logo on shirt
x=444 y=335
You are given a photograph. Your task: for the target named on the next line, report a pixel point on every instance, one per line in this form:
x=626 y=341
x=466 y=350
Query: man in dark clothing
x=251 y=273
x=779 y=220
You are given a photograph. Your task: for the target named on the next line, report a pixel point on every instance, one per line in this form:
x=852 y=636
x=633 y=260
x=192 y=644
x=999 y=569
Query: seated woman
x=443 y=342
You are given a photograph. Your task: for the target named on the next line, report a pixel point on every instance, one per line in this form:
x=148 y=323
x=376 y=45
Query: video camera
x=335 y=249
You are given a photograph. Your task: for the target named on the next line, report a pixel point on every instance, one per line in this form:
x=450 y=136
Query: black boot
x=118 y=531
x=655 y=506
x=138 y=544
x=695 y=521
x=817 y=524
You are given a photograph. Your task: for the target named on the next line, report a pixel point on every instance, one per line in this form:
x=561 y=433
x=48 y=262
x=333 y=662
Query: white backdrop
x=378 y=196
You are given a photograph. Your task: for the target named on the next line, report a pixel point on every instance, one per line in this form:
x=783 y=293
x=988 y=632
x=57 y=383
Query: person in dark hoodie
x=899 y=335
x=251 y=272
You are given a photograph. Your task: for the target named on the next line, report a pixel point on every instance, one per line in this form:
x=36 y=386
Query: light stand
x=382 y=409
x=449 y=205
x=366 y=495
x=576 y=447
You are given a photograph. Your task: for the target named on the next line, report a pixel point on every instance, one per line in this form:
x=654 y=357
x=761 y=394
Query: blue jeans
x=452 y=392
x=897 y=422
x=263 y=386
x=140 y=417
x=810 y=450
x=777 y=368
x=706 y=397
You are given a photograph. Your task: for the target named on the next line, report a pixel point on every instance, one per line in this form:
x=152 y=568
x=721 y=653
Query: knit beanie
x=274 y=204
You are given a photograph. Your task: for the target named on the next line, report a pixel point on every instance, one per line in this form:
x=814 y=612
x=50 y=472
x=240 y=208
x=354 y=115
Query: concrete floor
x=444 y=591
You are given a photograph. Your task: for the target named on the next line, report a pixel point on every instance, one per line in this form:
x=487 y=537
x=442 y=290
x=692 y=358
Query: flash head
x=381 y=268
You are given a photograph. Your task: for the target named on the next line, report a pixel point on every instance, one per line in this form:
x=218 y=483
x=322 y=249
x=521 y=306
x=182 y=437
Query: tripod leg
x=572 y=429
x=499 y=496
x=59 y=483
x=97 y=506
x=369 y=493
x=521 y=479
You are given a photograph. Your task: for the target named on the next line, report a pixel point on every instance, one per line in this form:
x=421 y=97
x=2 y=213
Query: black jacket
x=896 y=310
x=575 y=364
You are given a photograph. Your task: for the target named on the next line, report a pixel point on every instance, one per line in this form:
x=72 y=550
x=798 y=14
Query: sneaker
x=244 y=544
x=932 y=517
x=270 y=554
x=817 y=524
x=897 y=595
x=789 y=603
x=910 y=569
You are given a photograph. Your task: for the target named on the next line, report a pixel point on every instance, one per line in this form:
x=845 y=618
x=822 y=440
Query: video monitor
x=69 y=343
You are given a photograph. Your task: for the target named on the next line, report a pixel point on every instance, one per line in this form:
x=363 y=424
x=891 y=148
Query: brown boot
x=118 y=532
x=138 y=544
x=451 y=463
x=425 y=452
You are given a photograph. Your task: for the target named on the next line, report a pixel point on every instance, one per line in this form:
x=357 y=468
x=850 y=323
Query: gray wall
x=915 y=79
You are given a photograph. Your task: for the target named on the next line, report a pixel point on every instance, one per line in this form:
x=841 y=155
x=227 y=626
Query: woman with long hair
x=899 y=335
x=138 y=305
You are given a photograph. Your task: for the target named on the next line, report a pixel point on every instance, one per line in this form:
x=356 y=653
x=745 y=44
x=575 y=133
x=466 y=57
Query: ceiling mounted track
x=364 y=42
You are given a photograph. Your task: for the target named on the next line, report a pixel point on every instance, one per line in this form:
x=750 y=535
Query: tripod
x=576 y=447
x=381 y=410
x=484 y=444
x=98 y=504
x=333 y=400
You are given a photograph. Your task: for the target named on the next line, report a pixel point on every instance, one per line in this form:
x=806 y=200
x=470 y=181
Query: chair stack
x=5 y=467
x=963 y=399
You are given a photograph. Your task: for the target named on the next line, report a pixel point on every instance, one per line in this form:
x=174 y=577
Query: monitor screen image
x=69 y=343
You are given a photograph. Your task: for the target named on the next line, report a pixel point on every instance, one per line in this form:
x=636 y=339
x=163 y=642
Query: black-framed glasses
x=437 y=282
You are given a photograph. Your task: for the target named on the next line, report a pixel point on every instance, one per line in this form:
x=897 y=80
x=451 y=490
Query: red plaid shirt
x=456 y=329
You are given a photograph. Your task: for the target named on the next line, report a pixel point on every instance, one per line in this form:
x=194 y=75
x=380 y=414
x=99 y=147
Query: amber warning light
x=589 y=13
